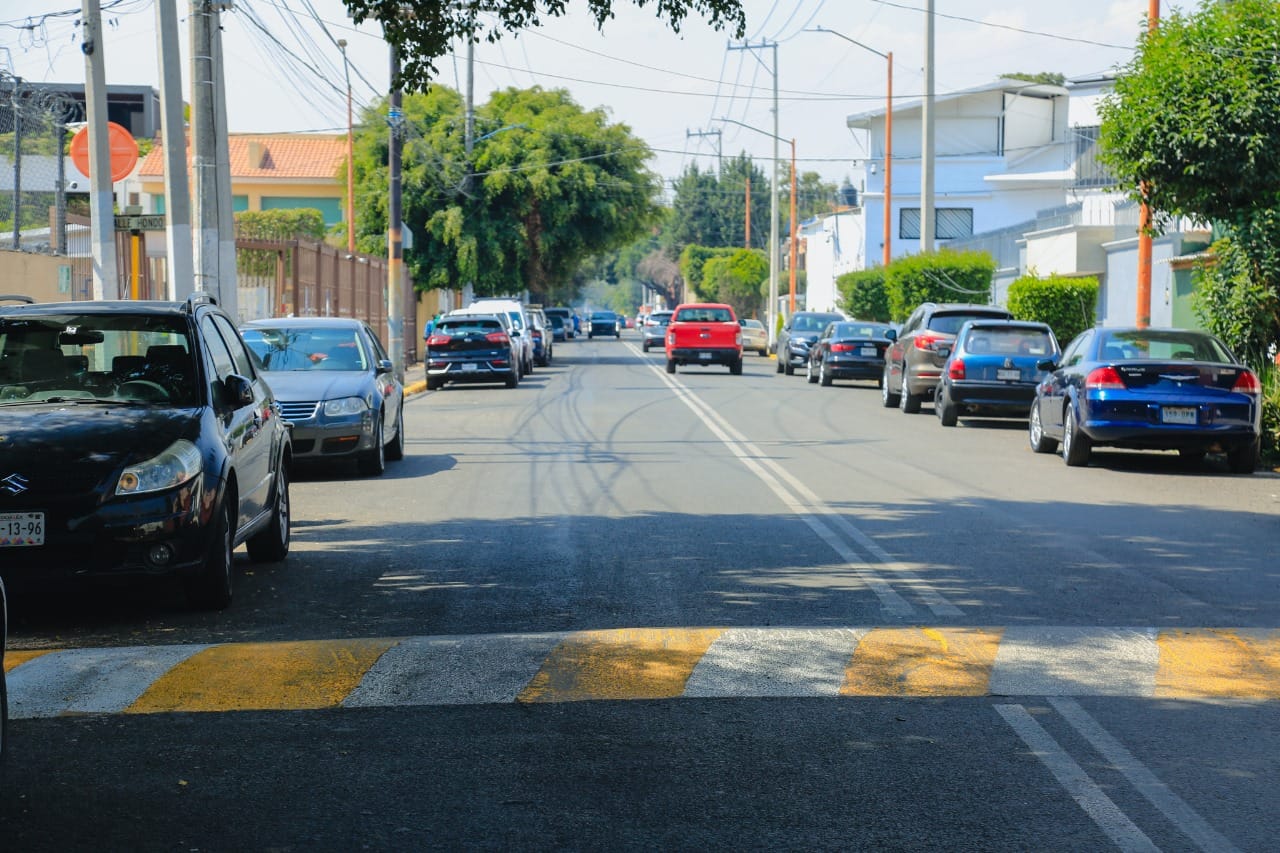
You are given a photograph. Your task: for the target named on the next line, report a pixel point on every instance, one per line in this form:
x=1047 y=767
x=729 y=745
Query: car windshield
x=1008 y=341
x=300 y=348
x=134 y=358
x=1162 y=345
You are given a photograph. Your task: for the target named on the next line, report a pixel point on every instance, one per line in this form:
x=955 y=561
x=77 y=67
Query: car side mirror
x=890 y=335
x=384 y=365
x=237 y=392
x=1049 y=364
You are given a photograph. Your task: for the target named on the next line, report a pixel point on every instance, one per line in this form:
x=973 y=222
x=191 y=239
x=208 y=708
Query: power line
x=1009 y=27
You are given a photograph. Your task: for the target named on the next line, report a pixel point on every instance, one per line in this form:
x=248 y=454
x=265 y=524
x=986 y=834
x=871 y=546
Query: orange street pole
x=351 y=201
x=135 y=263
x=1144 y=215
x=747 y=228
x=793 y=226
x=888 y=166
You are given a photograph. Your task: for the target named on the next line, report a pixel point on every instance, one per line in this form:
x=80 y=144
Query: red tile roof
x=312 y=156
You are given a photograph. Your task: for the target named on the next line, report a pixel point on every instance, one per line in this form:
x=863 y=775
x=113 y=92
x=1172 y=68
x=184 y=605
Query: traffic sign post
x=123 y=147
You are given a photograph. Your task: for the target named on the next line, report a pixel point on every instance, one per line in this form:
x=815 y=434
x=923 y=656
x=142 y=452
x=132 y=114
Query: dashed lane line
x=649 y=663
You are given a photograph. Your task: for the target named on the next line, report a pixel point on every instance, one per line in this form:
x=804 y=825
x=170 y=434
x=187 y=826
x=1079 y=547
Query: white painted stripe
x=458 y=670
x=1076 y=662
x=1071 y=776
x=90 y=681
x=1185 y=818
x=773 y=662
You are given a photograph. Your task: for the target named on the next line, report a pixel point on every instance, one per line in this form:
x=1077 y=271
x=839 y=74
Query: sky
x=285 y=69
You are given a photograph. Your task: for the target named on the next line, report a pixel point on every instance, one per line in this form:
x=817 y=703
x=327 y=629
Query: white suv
x=513 y=310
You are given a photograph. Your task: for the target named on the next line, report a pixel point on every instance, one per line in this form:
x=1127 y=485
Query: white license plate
x=705 y=355
x=1007 y=374
x=468 y=368
x=1178 y=415
x=869 y=352
x=21 y=529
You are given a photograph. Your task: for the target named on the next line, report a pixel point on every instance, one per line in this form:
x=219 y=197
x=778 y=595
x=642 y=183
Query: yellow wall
x=35 y=275
x=255 y=191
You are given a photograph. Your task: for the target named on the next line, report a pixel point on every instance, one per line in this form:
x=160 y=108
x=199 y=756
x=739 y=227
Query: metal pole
x=1144 y=215
x=888 y=167
x=746 y=243
x=351 y=169
x=395 y=248
x=773 y=212
x=926 y=139
x=106 y=275
x=228 y=290
x=793 y=227
x=16 y=106
x=177 y=191
x=60 y=200
x=203 y=160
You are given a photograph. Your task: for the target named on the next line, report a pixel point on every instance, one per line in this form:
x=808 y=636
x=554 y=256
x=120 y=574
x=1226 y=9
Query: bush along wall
x=863 y=295
x=942 y=276
x=1068 y=305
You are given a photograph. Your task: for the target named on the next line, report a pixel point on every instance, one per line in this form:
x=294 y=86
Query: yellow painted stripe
x=922 y=662
x=263 y=676
x=643 y=663
x=1219 y=663
x=17 y=657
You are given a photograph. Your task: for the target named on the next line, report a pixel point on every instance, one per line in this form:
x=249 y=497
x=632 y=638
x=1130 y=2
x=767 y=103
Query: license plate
x=1008 y=374
x=1178 y=415
x=869 y=352
x=21 y=529
x=469 y=368
x=705 y=355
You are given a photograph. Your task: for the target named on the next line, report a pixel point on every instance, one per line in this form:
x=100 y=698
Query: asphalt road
x=613 y=609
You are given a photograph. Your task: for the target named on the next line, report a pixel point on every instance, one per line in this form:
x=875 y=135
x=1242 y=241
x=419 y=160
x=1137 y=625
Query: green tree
x=709 y=208
x=1194 y=125
x=425 y=30
x=1229 y=302
x=693 y=262
x=738 y=279
x=814 y=197
x=1067 y=304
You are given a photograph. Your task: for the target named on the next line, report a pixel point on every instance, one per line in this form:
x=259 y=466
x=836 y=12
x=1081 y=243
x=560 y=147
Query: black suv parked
x=137 y=438
x=913 y=362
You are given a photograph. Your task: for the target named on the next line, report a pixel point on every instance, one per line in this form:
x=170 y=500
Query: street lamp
x=773 y=272
x=351 y=201
x=888 y=137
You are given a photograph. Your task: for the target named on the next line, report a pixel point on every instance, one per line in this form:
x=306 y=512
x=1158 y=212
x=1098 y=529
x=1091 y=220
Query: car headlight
x=345 y=406
x=179 y=463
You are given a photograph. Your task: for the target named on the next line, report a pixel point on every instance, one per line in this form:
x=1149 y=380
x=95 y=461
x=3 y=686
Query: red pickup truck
x=704 y=333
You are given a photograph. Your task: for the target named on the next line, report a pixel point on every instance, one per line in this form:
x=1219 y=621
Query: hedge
x=863 y=294
x=1067 y=304
x=943 y=276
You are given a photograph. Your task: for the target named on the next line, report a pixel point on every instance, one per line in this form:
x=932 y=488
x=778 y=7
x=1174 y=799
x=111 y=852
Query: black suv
x=137 y=438
x=798 y=334
x=913 y=361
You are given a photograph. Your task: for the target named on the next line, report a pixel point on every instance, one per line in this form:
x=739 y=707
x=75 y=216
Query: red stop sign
x=124 y=151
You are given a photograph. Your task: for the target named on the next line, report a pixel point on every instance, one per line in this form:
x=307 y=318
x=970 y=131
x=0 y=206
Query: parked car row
x=1132 y=388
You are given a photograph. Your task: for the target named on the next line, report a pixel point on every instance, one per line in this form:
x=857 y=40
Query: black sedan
x=336 y=385
x=471 y=348
x=603 y=323
x=1148 y=389
x=848 y=349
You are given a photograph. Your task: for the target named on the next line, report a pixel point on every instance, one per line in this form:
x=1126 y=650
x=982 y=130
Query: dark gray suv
x=914 y=359
x=799 y=333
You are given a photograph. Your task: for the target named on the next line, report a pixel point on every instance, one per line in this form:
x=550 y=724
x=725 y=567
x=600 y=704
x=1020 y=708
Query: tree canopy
x=422 y=31
x=709 y=208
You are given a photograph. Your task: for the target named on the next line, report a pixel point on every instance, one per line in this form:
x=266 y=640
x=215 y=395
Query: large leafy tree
x=1194 y=126
x=425 y=30
x=549 y=186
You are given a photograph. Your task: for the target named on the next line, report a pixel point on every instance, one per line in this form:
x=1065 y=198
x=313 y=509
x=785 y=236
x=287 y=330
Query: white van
x=514 y=311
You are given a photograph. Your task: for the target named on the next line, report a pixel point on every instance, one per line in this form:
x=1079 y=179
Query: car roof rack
x=200 y=297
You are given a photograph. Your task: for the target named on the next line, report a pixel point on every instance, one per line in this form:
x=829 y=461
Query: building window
x=949 y=223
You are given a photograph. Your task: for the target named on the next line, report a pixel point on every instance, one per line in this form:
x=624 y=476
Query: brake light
x=537 y=335
x=1247 y=383
x=1104 y=379
x=842 y=347
x=438 y=340
x=927 y=341
x=497 y=338
x=956 y=369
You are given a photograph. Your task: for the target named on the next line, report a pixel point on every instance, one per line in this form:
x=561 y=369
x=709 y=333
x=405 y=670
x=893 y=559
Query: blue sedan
x=993 y=370
x=1148 y=389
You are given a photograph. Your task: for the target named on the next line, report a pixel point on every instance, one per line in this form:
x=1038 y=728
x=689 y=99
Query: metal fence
x=33 y=166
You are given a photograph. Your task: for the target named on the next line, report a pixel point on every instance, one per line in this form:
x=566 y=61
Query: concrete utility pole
x=106 y=284
x=204 y=166
x=351 y=169
x=173 y=127
x=926 y=138
x=395 y=245
x=228 y=291
x=1144 y=215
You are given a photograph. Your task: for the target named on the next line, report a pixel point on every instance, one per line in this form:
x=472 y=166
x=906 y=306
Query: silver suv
x=914 y=359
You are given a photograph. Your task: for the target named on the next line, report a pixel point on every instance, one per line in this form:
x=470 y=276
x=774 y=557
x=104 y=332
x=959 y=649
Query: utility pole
x=106 y=282
x=203 y=158
x=926 y=138
x=174 y=135
x=16 y=105
x=1144 y=215
x=719 y=152
x=746 y=229
x=794 y=226
x=395 y=246
x=351 y=169
x=228 y=291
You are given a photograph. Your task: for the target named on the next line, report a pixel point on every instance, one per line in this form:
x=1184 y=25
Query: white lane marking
x=772 y=662
x=90 y=681
x=1097 y=805
x=808 y=505
x=1185 y=818
x=1075 y=661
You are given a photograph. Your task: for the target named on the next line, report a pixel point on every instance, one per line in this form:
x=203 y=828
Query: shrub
x=1068 y=305
x=863 y=294
x=1234 y=305
x=693 y=261
x=1270 y=378
x=943 y=276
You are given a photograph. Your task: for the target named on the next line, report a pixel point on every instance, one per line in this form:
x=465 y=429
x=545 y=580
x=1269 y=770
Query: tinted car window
x=1162 y=344
x=294 y=348
x=239 y=355
x=1008 y=341
x=223 y=363
x=1076 y=349
x=949 y=324
x=468 y=325
x=859 y=330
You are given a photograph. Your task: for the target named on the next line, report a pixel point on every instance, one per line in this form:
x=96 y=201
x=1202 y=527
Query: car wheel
x=512 y=379
x=948 y=414
x=671 y=365
x=736 y=367
x=824 y=379
x=909 y=403
x=1243 y=458
x=887 y=398
x=788 y=367
x=434 y=382
x=211 y=588
x=373 y=461
x=644 y=347
x=1035 y=432
x=271 y=544
x=808 y=372
x=781 y=366
x=1075 y=444
x=395 y=447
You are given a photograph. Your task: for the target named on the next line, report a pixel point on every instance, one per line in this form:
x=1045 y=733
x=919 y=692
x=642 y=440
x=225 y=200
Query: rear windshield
x=1162 y=345
x=860 y=330
x=468 y=325
x=949 y=324
x=294 y=348
x=1008 y=341
x=704 y=315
